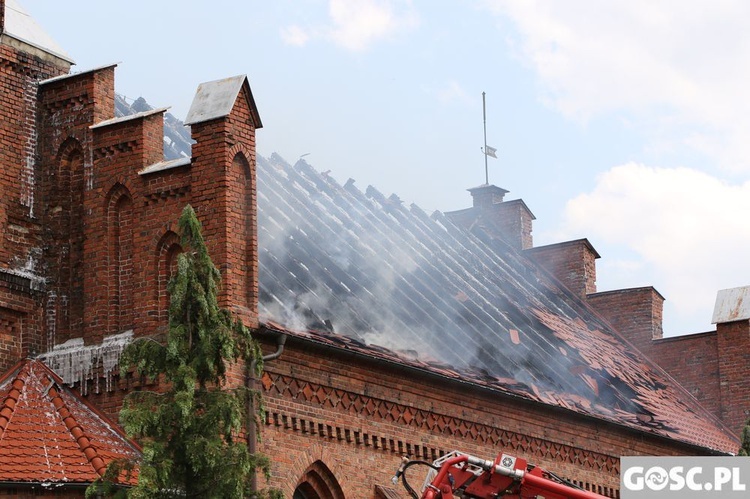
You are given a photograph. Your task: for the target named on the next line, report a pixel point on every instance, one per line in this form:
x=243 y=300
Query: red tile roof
x=49 y=434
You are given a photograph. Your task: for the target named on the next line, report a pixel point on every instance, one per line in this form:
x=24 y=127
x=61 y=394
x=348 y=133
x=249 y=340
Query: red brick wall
x=159 y=202
x=10 y=337
x=693 y=361
x=734 y=359
x=21 y=320
x=130 y=214
x=20 y=74
x=328 y=406
x=69 y=106
x=127 y=214
x=21 y=315
x=712 y=366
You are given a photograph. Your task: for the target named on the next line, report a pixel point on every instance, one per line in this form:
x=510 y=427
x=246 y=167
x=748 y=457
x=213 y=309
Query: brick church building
x=388 y=331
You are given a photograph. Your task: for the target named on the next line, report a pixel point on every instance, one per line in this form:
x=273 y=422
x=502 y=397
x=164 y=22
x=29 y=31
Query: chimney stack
x=636 y=313
x=732 y=319
x=510 y=221
x=487 y=195
x=573 y=263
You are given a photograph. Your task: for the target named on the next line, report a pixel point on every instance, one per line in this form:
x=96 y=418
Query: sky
x=625 y=122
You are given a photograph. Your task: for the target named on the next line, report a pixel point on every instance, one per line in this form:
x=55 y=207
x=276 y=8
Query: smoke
x=337 y=260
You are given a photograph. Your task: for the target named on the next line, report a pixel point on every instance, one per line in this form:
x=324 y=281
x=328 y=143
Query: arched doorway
x=318 y=483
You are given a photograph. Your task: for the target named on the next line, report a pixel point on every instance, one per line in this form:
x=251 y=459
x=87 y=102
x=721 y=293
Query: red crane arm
x=510 y=477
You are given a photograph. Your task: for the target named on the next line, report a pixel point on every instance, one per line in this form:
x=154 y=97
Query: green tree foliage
x=745 y=440
x=190 y=433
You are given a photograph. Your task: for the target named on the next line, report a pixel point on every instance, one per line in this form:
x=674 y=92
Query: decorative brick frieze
x=161 y=195
x=323 y=430
x=374 y=409
x=75 y=102
x=111 y=150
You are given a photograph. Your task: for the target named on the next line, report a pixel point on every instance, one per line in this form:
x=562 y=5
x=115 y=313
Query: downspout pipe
x=252 y=384
x=280 y=342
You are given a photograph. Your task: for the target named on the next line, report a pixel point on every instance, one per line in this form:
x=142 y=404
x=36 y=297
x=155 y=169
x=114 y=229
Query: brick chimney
x=635 y=313
x=732 y=319
x=507 y=220
x=487 y=195
x=573 y=263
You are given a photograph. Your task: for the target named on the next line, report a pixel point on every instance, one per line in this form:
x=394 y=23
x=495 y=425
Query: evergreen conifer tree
x=745 y=440
x=190 y=431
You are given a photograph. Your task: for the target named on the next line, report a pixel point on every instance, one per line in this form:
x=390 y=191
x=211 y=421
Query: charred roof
x=362 y=271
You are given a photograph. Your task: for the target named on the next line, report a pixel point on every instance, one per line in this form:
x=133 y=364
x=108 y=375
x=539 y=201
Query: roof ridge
x=75 y=429
x=9 y=404
x=92 y=408
x=43 y=418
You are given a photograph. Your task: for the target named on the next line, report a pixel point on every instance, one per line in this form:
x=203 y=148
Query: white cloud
x=451 y=92
x=356 y=25
x=674 y=64
x=688 y=227
x=359 y=23
x=675 y=70
x=295 y=35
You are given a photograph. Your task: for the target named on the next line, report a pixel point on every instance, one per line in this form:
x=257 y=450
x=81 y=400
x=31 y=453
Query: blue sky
x=625 y=122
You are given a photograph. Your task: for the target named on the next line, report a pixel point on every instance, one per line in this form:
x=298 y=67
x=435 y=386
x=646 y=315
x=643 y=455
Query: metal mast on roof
x=487 y=150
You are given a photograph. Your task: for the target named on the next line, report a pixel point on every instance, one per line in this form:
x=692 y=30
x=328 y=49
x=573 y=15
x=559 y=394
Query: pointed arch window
x=247 y=267
x=318 y=482
x=65 y=214
x=166 y=267
x=120 y=257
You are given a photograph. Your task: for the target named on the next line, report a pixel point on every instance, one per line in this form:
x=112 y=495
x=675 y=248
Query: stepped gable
x=49 y=434
x=362 y=272
x=177 y=140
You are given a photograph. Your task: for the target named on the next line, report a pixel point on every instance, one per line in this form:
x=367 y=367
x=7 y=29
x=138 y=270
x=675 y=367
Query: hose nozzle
x=400 y=471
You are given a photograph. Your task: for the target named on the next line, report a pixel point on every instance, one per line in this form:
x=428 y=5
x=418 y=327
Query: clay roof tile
x=55 y=435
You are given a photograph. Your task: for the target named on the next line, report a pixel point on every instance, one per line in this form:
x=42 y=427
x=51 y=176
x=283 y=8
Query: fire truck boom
x=461 y=475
